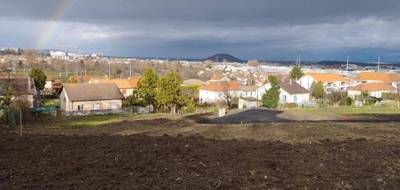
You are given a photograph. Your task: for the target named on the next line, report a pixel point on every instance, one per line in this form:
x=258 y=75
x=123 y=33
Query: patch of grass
x=371 y=109
x=101 y=120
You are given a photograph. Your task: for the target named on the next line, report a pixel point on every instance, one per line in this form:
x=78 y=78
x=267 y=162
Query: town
x=178 y=94
x=74 y=84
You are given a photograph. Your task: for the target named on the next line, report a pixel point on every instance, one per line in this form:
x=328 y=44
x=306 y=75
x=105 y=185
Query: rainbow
x=51 y=25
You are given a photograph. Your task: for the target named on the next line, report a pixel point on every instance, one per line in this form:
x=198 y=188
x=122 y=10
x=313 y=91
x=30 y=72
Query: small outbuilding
x=247 y=102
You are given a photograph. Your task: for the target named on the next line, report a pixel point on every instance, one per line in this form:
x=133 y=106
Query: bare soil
x=145 y=162
x=181 y=153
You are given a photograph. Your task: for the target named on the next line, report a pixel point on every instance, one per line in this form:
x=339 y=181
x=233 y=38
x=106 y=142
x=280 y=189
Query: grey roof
x=292 y=87
x=92 y=92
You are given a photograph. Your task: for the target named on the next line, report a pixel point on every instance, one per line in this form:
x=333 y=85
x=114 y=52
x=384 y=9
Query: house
x=247 y=102
x=375 y=89
x=372 y=77
x=292 y=92
x=216 y=91
x=126 y=86
x=86 y=97
x=52 y=86
x=331 y=81
x=22 y=87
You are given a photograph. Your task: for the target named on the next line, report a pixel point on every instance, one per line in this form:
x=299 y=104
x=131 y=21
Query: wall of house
x=65 y=103
x=353 y=93
x=127 y=91
x=206 y=96
x=246 y=104
x=306 y=82
x=285 y=97
x=97 y=105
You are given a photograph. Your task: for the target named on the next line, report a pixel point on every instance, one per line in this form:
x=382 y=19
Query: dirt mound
x=142 y=162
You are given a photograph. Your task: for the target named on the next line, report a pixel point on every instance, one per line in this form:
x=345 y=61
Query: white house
x=216 y=91
x=292 y=92
x=331 y=82
x=375 y=89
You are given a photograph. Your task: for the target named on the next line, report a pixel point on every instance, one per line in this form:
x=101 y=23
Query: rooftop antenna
x=347 y=64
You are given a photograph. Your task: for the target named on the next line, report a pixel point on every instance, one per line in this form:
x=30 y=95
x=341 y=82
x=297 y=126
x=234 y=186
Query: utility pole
x=347 y=64
x=130 y=69
x=379 y=63
x=109 y=70
x=299 y=60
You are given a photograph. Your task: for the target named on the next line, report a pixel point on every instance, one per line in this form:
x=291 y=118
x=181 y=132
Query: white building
x=375 y=89
x=331 y=82
x=292 y=92
x=217 y=91
x=58 y=55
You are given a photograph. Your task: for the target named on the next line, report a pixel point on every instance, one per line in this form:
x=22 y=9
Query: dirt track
x=143 y=162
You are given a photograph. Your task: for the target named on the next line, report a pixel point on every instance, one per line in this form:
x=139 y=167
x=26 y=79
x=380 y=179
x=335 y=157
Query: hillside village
x=233 y=85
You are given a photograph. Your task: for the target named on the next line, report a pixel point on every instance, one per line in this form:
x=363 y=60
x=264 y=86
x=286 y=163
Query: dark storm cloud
x=194 y=28
x=237 y=12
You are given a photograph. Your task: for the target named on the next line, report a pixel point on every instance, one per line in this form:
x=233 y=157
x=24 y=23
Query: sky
x=249 y=29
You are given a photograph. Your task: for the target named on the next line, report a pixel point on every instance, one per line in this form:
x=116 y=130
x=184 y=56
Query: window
x=96 y=106
x=80 y=107
x=114 y=106
x=294 y=99
x=284 y=98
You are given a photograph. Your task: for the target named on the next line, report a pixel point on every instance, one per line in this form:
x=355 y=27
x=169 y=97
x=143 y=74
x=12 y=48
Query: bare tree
x=227 y=92
x=31 y=57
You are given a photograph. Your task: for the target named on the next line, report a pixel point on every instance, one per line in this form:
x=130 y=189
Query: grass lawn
x=99 y=120
x=384 y=108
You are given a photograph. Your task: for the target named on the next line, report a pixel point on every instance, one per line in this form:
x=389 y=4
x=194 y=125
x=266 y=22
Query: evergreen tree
x=39 y=80
x=170 y=93
x=147 y=86
x=317 y=90
x=271 y=98
x=296 y=73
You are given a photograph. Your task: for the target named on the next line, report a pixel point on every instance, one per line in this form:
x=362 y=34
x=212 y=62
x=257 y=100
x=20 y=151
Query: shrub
x=346 y=101
x=191 y=107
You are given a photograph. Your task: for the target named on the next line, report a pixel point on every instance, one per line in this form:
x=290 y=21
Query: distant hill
x=220 y=57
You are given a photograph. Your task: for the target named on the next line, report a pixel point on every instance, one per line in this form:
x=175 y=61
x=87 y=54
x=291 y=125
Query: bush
x=371 y=100
x=191 y=107
x=346 y=101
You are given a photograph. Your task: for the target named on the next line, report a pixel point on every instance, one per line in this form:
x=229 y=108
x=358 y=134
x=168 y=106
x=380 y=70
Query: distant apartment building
x=331 y=82
x=58 y=55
